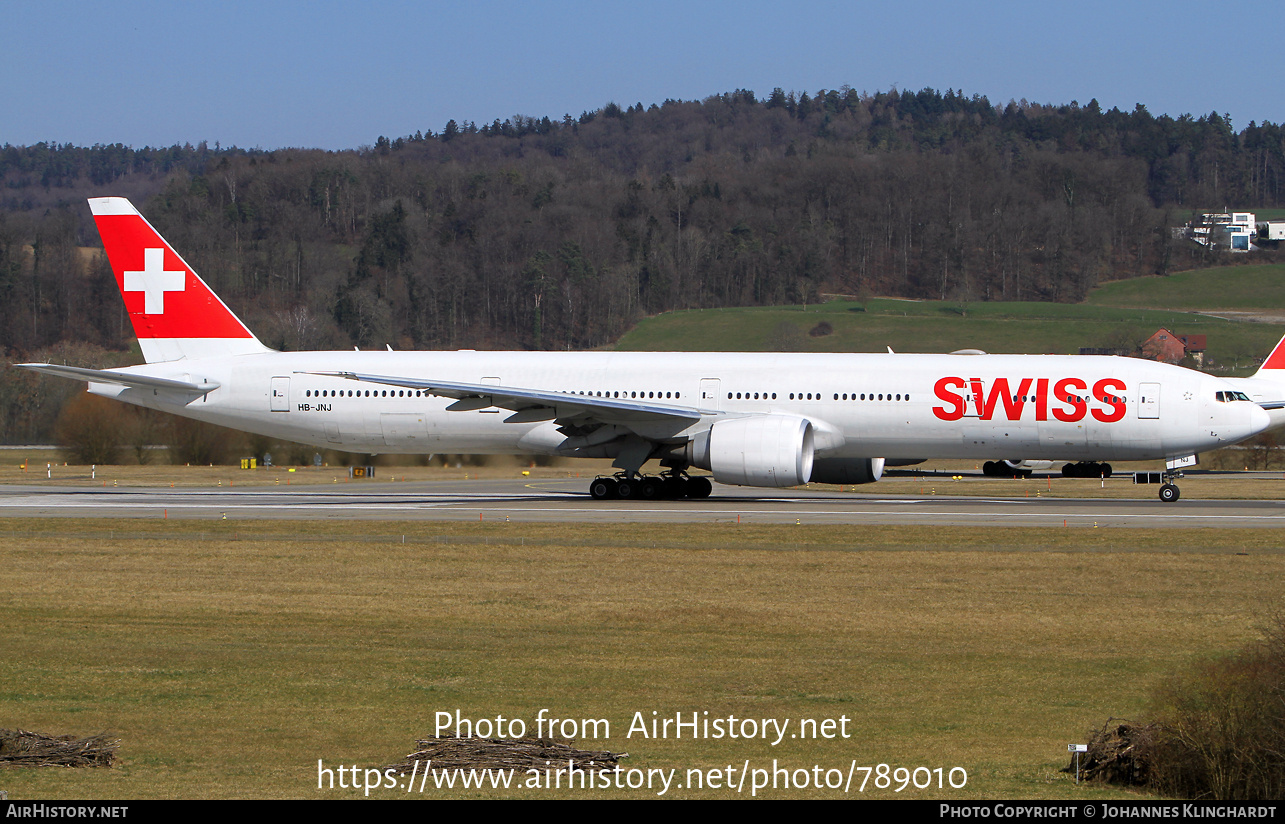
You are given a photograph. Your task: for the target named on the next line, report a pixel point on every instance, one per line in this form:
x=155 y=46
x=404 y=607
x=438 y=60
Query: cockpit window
x=1229 y=397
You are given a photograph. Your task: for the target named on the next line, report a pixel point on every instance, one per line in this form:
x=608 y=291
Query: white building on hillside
x=1272 y=230
x=1233 y=231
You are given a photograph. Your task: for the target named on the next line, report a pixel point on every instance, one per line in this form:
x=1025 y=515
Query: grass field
x=936 y=326
x=47 y=467
x=229 y=665
x=1245 y=288
x=1120 y=314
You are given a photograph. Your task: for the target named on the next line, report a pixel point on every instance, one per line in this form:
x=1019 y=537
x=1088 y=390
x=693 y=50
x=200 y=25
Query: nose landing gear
x=1168 y=489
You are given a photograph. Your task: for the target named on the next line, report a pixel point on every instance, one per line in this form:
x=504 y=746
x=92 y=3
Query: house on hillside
x=1271 y=232
x=1230 y=231
x=1166 y=347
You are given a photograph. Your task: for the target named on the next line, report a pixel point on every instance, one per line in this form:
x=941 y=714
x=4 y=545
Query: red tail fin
x=175 y=314
x=1275 y=361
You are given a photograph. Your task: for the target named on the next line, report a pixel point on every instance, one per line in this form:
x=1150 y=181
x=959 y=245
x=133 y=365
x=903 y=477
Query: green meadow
x=1117 y=315
x=1241 y=288
x=230 y=657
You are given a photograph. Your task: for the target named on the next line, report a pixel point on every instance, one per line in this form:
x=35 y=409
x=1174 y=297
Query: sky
x=339 y=75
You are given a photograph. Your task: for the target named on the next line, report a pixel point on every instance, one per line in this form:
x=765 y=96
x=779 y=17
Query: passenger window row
x=627 y=395
x=363 y=393
x=816 y=396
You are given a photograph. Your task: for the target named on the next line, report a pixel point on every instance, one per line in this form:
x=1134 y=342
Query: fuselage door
x=709 y=395
x=280 y=394
x=1149 y=400
x=974 y=398
x=490 y=381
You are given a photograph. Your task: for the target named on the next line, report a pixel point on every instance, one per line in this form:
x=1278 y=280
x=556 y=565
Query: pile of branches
x=448 y=752
x=1119 y=753
x=21 y=748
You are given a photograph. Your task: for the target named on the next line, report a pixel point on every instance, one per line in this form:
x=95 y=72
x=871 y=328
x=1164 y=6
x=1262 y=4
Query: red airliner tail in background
x=1275 y=361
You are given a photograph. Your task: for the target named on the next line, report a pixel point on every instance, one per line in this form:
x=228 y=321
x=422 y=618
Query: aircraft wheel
x=699 y=487
x=988 y=469
x=626 y=489
x=603 y=489
x=1106 y=470
x=674 y=488
x=649 y=489
x=1168 y=493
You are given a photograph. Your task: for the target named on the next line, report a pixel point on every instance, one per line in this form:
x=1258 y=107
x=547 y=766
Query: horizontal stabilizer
x=120 y=378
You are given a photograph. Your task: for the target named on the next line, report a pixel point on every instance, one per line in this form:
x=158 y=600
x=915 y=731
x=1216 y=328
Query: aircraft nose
x=1259 y=420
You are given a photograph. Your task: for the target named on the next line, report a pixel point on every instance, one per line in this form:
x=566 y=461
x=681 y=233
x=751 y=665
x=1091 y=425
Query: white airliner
x=754 y=419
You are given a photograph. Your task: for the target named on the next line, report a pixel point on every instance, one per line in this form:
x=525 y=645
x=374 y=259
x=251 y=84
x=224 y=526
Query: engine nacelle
x=847 y=470
x=765 y=450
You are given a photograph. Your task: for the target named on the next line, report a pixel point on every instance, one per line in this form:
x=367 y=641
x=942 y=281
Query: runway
x=565 y=501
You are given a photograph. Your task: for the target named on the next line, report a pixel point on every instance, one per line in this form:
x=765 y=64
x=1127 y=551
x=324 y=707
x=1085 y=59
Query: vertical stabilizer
x=175 y=314
x=1274 y=366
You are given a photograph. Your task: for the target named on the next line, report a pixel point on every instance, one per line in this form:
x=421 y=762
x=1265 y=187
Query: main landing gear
x=1086 y=469
x=999 y=469
x=667 y=485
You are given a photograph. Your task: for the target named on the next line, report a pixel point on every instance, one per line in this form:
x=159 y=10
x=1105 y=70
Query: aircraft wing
x=532 y=405
x=120 y=378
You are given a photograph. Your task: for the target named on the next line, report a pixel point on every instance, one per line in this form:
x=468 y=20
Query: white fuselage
x=894 y=406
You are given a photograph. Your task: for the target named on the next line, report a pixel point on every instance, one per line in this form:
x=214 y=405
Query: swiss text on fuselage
x=1068 y=401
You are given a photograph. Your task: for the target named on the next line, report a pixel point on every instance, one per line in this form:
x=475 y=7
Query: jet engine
x=764 y=450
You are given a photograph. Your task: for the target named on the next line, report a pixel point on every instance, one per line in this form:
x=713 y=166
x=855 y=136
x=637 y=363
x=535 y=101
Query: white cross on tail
x=154 y=281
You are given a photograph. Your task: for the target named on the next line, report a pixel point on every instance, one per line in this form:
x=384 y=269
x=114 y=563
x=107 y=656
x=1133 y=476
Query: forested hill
x=544 y=233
